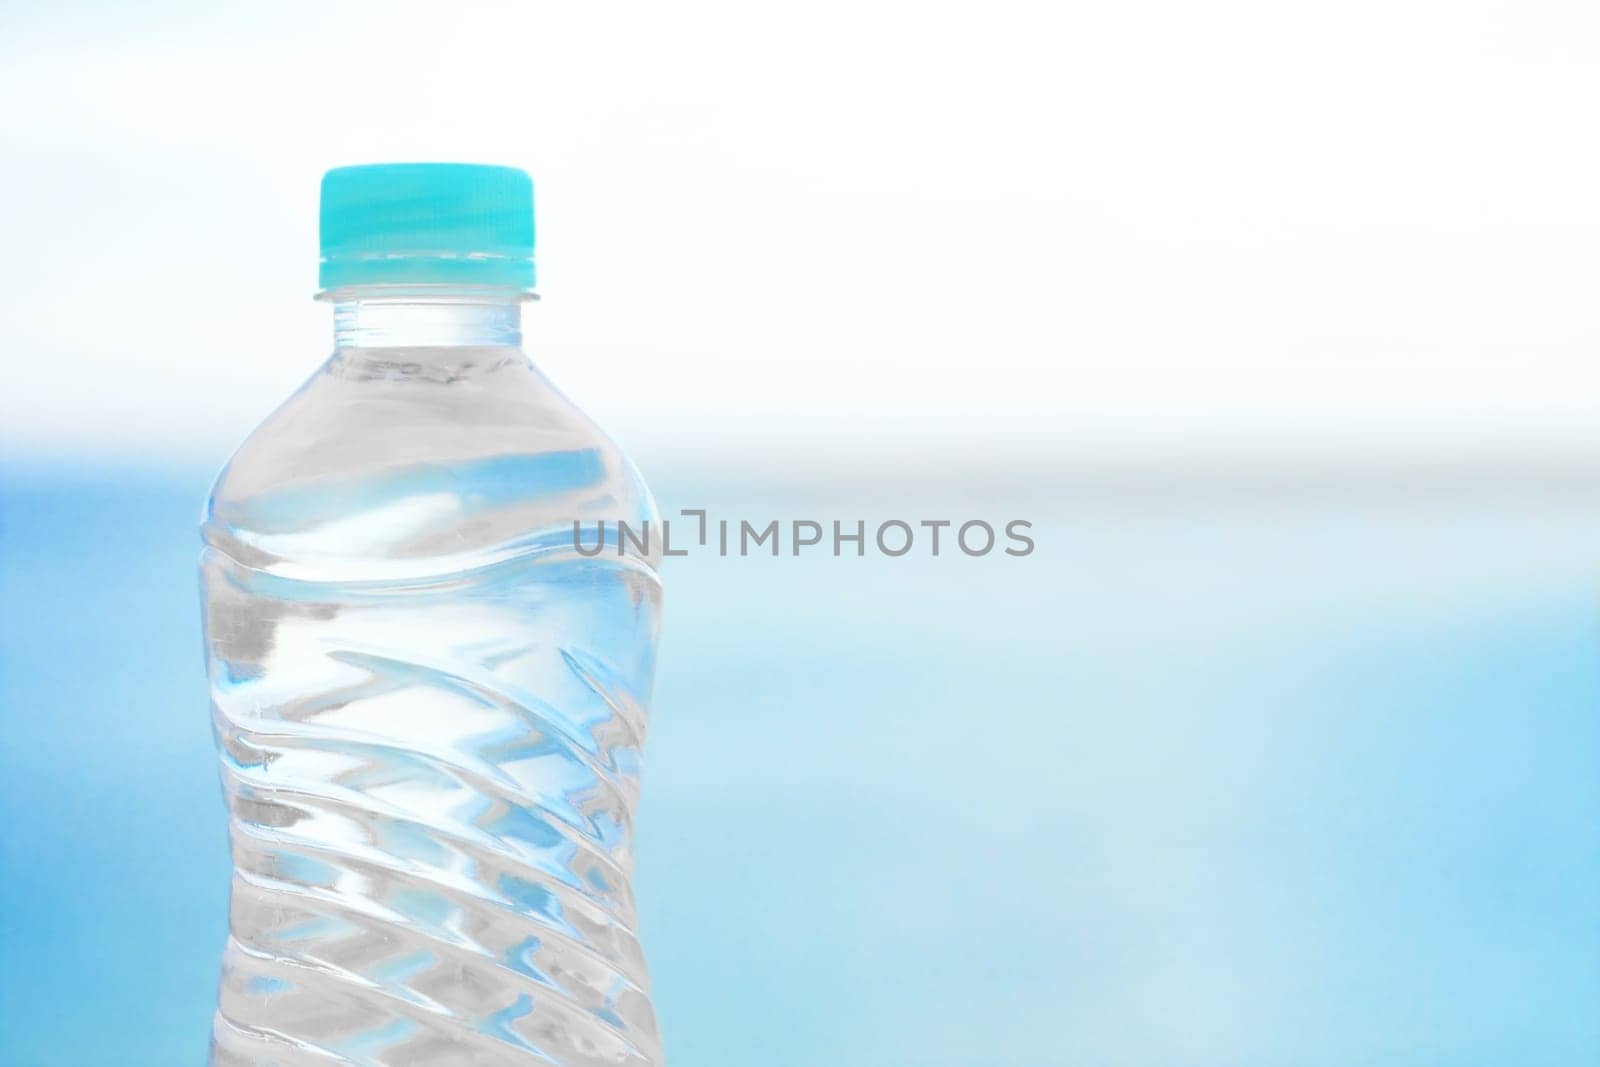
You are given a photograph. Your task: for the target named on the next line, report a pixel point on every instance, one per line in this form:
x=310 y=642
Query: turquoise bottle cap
x=427 y=224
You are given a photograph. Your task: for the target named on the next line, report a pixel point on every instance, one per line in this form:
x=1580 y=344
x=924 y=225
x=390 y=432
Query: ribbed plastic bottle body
x=430 y=709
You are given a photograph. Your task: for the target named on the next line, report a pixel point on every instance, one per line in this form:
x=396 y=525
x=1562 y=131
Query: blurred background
x=1277 y=321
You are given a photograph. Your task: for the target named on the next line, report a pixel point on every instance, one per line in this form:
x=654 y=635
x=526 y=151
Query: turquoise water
x=1212 y=778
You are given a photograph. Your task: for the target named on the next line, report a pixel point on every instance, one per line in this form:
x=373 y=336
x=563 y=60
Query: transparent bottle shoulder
x=397 y=460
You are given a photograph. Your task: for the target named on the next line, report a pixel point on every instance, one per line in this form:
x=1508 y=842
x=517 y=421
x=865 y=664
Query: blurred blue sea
x=1218 y=776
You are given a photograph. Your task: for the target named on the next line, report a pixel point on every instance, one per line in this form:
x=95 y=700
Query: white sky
x=1282 y=222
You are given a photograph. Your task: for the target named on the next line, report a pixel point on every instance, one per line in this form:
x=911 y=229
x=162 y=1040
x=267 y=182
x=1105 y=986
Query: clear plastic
x=429 y=707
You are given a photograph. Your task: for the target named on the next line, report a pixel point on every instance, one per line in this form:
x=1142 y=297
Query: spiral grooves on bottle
x=396 y=903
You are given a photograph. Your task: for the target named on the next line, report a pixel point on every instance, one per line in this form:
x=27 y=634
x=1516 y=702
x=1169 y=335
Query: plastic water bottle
x=429 y=706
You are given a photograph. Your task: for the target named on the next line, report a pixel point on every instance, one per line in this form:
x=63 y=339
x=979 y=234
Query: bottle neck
x=386 y=317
